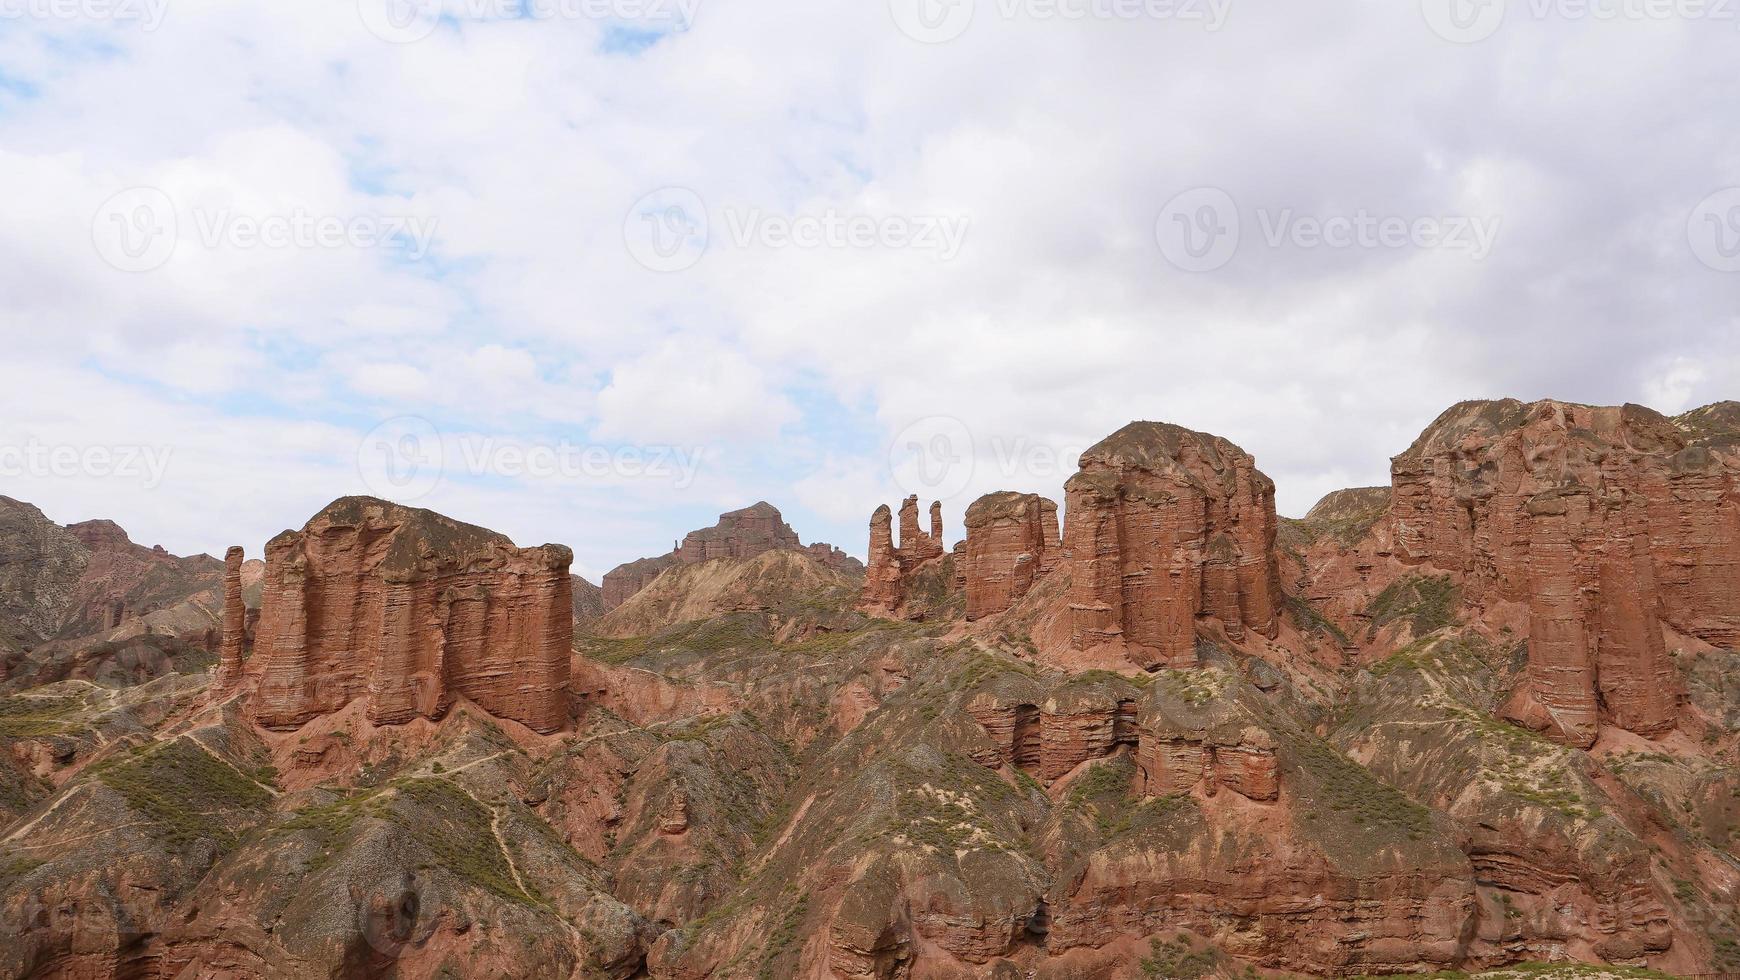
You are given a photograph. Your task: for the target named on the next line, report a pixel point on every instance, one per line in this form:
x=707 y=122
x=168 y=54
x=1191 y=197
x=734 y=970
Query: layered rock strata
x=407 y=609
x=889 y=576
x=1011 y=541
x=1167 y=526
x=1604 y=523
x=235 y=624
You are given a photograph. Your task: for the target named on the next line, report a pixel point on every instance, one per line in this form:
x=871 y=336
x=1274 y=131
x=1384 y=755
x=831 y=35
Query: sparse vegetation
x=1429 y=604
x=188 y=795
x=458 y=831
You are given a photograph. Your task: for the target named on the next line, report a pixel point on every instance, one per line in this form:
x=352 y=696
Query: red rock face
x=1166 y=526
x=739 y=534
x=1011 y=541
x=1242 y=760
x=1604 y=522
x=235 y=624
x=407 y=609
x=888 y=577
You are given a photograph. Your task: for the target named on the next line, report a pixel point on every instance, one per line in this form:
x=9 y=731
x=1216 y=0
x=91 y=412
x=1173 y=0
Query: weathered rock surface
x=1166 y=526
x=739 y=534
x=235 y=624
x=65 y=583
x=1604 y=523
x=588 y=601
x=1011 y=540
x=407 y=609
x=911 y=579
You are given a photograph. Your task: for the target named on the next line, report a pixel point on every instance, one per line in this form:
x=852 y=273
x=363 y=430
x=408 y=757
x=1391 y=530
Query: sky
x=594 y=271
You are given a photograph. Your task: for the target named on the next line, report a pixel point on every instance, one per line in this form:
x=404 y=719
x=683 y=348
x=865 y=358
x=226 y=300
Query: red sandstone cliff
x=235 y=624
x=1011 y=540
x=1165 y=526
x=407 y=609
x=1604 y=523
x=901 y=581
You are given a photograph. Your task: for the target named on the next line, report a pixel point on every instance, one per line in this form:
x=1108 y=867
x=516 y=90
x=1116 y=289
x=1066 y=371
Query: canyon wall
x=1605 y=522
x=407 y=609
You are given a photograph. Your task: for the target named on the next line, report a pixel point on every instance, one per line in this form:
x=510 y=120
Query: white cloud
x=524 y=143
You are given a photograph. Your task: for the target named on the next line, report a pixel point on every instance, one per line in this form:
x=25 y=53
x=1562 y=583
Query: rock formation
x=1604 y=523
x=235 y=624
x=628 y=578
x=1166 y=526
x=1011 y=541
x=742 y=533
x=588 y=601
x=890 y=577
x=408 y=609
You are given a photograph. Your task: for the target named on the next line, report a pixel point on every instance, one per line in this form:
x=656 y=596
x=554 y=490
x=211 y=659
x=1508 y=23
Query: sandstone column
x=235 y=624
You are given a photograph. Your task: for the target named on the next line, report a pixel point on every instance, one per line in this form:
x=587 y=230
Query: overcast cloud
x=616 y=271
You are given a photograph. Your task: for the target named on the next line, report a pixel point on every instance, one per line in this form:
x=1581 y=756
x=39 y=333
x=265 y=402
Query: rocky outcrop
x=744 y=533
x=235 y=624
x=588 y=601
x=891 y=579
x=1011 y=541
x=1604 y=523
x=408 y=609
x=84 y=579
x=739 y=534
x=1167 y=526
x=628 y=578
x=782 y=585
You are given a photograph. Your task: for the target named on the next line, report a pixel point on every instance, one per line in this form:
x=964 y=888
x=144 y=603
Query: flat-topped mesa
x=235 y=624
x=1166 y=526
x=407 y=609
x=889 y=574
x=739 y=534
x=1011 y=541
x=1604 y=522
x=744 y=533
